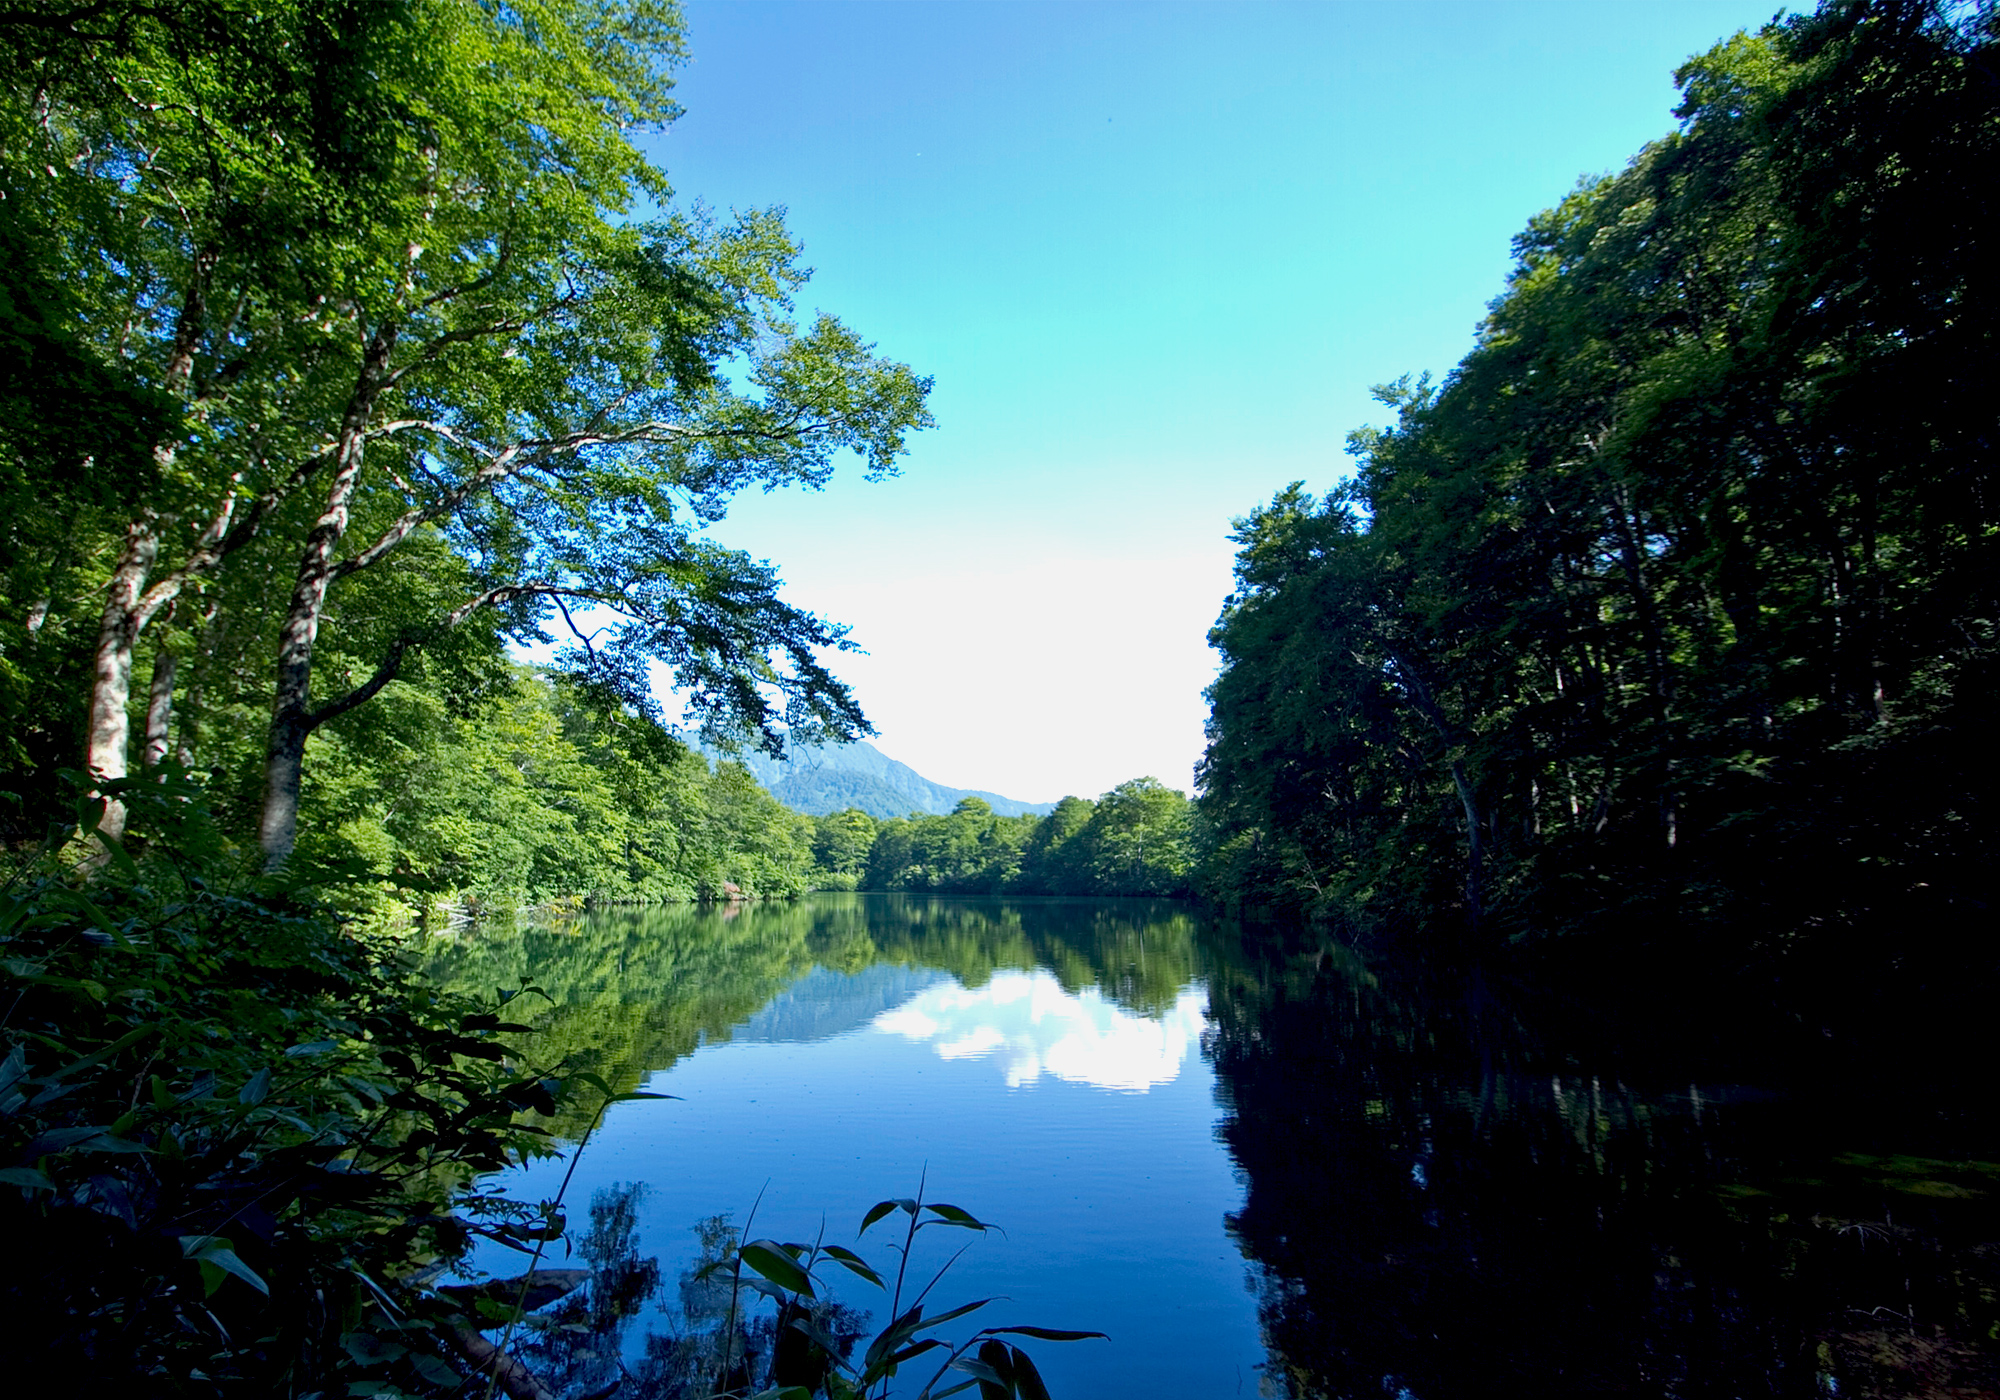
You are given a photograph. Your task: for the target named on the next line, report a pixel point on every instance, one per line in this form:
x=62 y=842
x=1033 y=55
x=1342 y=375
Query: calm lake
x=1265 y=1167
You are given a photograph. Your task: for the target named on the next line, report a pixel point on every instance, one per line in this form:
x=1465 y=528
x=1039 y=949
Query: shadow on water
x=1453 y=1185
x=1459 y=1186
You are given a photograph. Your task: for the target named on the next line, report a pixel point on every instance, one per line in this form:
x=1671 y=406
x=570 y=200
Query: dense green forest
x=1673 y=605
x=328 y=376
x=1137 y=839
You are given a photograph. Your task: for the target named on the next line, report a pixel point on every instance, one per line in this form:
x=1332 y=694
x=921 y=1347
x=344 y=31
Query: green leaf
x=120 y=857
x=848 y=1259
x=768 y=1258
x=952 y=1215
x=311 y=1047
x=436 y=1370
x=882 y=1208
x=129 y=1039
x=1000 y=1360
x=1048 y=1334
x=494 y=1310
x=1027 y=1380
x=765 y=1288
x=960 y=1311
x=27 y=1178
x=889 y=1338
x=978 y=1370
x=70 y=1139
x=217 y=1252
x=370 y=1350
x=257 y=1088
x=13 y=1069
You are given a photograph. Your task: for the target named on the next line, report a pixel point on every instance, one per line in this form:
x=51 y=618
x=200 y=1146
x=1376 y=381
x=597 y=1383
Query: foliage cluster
x=543 y=795
x=347 y=342
x=239 y=1139
x=1676 y=599
x=1137 y=839
x=759 y=1318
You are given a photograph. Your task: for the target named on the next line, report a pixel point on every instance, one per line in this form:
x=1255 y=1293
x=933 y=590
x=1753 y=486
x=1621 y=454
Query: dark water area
x=1268 y=1166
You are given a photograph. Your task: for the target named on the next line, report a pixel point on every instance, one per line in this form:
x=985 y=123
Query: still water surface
x=1264 y=1167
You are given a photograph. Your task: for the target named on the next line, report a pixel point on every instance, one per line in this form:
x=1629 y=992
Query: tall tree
x=383 y=261
x=1683 y=578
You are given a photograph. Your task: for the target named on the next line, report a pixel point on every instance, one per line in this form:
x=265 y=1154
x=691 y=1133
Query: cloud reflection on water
x=1037 y=1028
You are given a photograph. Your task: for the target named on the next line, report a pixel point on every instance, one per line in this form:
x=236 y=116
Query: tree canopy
x=1676 y=597
x=380 y=327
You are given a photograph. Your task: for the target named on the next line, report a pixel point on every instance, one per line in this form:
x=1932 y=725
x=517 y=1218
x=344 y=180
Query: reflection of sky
x=1034 y=1027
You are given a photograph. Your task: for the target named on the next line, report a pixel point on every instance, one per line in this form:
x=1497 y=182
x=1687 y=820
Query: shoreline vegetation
x=1669 y=615
x=1663 y=628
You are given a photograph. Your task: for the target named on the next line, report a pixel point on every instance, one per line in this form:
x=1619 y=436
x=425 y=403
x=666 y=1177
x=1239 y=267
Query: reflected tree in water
x=1468 y=1194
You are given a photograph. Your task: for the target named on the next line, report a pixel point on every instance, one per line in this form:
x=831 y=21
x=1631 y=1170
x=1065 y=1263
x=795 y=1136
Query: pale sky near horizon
x=1154 y=256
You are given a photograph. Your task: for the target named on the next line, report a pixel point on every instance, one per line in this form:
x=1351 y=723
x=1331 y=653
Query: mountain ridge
x=820 y=778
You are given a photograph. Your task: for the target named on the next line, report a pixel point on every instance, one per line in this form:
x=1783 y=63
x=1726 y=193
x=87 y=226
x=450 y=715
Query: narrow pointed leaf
x=978 y=1370
x=214 y=1252
x=960 y=1311
x=952 y=1215
x=769 y=1259
x=1027 y=1380
x=130 y=1038
x=854 y=1262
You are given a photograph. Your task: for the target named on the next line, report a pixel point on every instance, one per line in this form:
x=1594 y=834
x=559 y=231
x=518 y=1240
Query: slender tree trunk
x=1475 y=849
x=1632 y=555
x=292 y=719
x=110 y=730
x=284 y=769
x=159 y=709
x=1419 y=694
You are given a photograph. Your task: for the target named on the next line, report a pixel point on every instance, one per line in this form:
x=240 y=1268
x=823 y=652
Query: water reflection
x=1456 y=1188
x=1031 y=1025
x=633 y=991
x=1435 y=1187
x=827 y=1054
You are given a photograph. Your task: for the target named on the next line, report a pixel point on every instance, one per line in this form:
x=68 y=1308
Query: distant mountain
x=820 y=779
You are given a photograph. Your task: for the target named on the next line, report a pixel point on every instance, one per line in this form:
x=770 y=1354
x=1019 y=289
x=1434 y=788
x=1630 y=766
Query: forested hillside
x=1674 y=603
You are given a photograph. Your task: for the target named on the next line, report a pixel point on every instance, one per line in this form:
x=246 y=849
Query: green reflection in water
x=633 y=990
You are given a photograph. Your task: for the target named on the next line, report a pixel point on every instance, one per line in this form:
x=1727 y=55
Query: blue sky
x=1154 y=256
